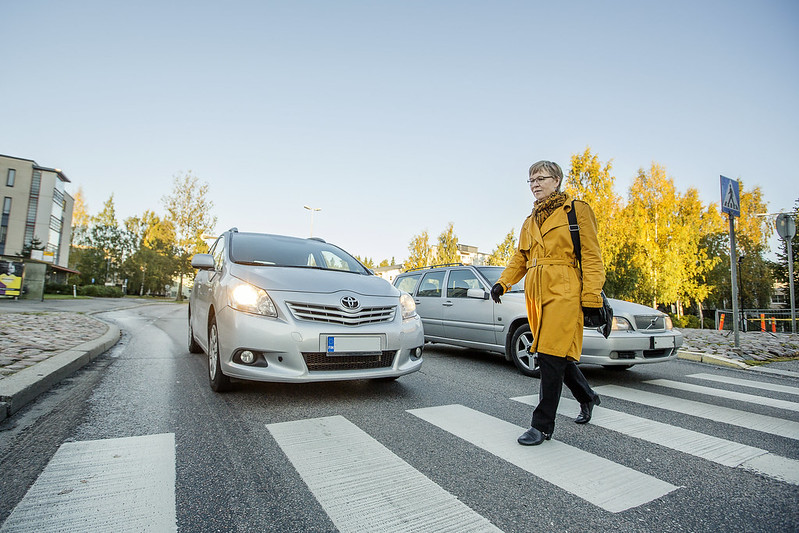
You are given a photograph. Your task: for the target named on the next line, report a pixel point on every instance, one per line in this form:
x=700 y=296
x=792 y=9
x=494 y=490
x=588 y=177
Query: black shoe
x=585 y=410
x=533 y=437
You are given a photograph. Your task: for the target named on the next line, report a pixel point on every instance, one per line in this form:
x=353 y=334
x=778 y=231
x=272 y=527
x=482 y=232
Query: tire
x=193 y=346
x=617 y=368
x=519 y=345
x=218 y=381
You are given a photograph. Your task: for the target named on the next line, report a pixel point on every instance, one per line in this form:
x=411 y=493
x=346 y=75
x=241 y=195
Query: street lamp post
x=312 y=209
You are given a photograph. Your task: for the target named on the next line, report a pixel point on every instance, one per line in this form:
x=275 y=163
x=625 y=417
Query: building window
x=7 y=205
x=11 y=178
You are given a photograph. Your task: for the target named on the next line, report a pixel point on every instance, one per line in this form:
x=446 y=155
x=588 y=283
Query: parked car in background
x=277 y=308
x=455 y=305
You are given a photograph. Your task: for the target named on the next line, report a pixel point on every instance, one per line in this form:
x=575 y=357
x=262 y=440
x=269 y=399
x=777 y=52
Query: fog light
x=247 y=357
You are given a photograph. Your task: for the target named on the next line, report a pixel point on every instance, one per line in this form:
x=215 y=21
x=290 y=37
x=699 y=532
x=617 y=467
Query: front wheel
x=218 y=381
x=520 y=344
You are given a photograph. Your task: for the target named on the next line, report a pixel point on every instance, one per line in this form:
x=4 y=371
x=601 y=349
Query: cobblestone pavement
x=754 y=345
x=27 y=338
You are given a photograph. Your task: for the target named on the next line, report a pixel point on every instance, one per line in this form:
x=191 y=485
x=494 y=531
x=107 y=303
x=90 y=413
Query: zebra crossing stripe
x=747 y=383
x=733 y=417
x=125 y=484
x=717 y=450
x=364 y=487
x=729 y=395
x=606 y=484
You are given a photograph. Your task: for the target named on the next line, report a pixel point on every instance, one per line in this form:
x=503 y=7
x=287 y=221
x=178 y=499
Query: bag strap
x=574 y=228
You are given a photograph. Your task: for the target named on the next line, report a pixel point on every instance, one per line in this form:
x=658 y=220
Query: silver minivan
x=277 y=308
x=455 y=305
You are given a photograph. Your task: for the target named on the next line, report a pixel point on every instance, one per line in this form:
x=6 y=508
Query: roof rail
x=435 y=266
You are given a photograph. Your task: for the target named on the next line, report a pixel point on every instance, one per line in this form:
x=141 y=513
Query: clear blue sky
x=396 y=117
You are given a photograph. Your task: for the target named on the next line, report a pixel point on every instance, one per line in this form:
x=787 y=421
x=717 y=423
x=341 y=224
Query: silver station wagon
x=455 y=305
x=276 y=308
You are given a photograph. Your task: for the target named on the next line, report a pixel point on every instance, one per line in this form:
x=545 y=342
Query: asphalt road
x=233 y=469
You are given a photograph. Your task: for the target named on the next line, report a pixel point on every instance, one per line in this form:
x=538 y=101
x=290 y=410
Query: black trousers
x=555 y=371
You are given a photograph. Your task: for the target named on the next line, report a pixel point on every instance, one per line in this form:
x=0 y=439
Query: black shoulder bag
x=601 y=318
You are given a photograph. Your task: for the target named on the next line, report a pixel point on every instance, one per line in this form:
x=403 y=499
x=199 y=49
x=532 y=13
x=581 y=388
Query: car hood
x=622 y=306
x=312 y=280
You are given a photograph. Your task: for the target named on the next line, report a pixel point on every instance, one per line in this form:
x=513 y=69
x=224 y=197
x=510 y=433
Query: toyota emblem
x=350 y=302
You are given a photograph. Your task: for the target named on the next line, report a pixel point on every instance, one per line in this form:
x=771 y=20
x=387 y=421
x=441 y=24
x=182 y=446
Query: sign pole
x=734 y=283
x=731 y=204
x=790 y=286
x=786 y=229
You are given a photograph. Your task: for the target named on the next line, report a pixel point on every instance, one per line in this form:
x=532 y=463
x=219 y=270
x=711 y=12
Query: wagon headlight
x=621 y=324
x=251 y=299
x=408 y=306
x=669 y=324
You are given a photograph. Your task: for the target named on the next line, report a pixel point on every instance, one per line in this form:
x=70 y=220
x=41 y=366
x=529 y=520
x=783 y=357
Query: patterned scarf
x=547 y=206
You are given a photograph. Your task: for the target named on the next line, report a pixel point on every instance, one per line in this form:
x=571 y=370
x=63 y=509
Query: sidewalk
x=42 y=342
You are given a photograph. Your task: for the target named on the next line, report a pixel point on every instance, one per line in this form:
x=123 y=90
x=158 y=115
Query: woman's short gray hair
x=550 y=167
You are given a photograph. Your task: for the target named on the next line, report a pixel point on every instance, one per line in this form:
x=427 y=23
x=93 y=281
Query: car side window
x=408 y=283
x=459 y=282
x=431 y=284
x=218 y=251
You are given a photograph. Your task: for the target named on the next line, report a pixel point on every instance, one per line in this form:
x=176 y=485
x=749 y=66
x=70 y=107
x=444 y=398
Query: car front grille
x=320 y=361
x=330 y=314
x=649 y=322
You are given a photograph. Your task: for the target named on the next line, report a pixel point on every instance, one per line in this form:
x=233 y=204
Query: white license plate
x=349 y=344
x=663 y=342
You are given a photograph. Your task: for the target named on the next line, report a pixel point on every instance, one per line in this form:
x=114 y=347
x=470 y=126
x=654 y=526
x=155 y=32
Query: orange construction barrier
x=762 y=322
x=721 y=322
x=774 y=324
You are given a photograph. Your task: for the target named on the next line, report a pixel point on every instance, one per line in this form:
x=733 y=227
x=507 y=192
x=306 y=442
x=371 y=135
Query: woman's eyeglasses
x=536 y=181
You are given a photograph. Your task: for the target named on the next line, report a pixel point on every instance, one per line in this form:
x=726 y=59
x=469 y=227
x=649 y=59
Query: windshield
x=492 y=273
x=278 y=250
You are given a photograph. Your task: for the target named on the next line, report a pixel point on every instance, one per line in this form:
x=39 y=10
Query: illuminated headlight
x=669 y=324
x=621 y=324
x=251 y=299
x=408 y=306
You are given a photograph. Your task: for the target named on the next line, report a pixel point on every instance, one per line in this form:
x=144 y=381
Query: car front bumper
x=285 y=350
x=625 y=348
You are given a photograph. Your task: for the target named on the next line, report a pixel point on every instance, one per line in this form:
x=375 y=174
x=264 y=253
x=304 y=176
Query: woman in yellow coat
x=557 y=294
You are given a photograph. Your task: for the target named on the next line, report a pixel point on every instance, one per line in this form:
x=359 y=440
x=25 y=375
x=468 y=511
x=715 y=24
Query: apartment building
x=34 y=204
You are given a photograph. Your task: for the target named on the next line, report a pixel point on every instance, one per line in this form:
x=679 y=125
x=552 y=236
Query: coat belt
x=534 y=262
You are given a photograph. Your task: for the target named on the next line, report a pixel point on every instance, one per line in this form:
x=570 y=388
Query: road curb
x=21 y=388
x=711 y=359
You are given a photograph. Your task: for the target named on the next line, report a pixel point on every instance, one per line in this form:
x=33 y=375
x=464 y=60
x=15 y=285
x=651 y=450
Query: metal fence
x=770 y=320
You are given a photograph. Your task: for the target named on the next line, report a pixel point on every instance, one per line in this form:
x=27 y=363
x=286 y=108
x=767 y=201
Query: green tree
x=780 y=268
x=113 y=242
x=189 y=210
x=34 y=244
x=504 y=250
x=420 y=252
x=154 y=264
x=447 y=249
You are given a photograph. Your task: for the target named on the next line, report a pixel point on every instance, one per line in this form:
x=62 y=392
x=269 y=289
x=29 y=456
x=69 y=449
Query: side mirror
x=203 y=262
x=480 y=294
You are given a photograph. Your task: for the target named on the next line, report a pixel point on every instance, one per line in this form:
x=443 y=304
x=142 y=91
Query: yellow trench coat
x=555 y=290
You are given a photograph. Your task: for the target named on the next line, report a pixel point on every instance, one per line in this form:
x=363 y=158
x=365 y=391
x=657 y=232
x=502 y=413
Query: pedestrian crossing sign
x=730 y=200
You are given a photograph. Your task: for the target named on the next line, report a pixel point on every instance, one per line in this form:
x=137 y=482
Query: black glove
x=594 y=317
x=496 y=291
